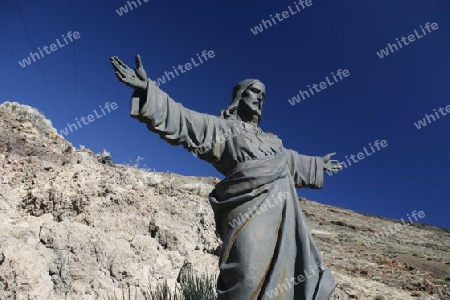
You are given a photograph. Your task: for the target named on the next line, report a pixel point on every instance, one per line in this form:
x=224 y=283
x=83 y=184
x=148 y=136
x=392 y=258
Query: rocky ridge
x=75 y=225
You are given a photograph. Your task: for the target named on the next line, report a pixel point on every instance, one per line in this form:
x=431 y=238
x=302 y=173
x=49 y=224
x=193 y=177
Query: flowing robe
x=268 y=251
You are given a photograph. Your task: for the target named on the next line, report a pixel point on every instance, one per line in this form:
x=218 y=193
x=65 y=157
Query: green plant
x=197 y=288
x=190 y=287
x=162 y=292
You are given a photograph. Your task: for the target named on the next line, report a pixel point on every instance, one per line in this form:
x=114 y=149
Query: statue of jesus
x=268 y=251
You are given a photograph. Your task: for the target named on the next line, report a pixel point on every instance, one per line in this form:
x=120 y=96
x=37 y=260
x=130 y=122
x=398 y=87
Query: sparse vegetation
x=190 y=287
x=104 y=157
x=27 y=113
x=154 y=176
x=197 y=288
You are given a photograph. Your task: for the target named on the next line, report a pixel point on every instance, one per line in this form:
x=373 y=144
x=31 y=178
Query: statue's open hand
x=136 y=78
x=331 y=165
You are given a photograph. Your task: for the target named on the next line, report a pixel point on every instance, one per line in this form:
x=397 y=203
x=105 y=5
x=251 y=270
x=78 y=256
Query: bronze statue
x=267 y=250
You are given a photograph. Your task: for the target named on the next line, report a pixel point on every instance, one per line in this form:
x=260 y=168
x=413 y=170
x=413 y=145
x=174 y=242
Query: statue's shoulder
x=274 y=137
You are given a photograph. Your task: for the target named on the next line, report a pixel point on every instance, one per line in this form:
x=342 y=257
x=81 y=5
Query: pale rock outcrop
x=76 y=226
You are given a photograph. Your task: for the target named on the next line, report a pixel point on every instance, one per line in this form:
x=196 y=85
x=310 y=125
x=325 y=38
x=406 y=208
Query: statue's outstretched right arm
x=171 y=120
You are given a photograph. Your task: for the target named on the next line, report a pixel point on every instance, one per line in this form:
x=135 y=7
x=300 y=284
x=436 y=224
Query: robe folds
x=268 y=251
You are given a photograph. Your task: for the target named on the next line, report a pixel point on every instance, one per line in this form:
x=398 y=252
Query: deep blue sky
x=380 y=100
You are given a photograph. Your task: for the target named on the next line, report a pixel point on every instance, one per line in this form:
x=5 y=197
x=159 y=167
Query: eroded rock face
x=72 y=227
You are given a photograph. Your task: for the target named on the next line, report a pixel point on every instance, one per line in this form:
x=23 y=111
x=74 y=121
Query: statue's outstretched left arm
x=308 y=171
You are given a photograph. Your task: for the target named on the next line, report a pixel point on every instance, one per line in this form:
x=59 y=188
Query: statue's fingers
x=138 y=61
x=335 y=166
x=116 y=64
x=121 y=63
x=116 y=69
x=113 y=61
x=121 y=77
x=121 y=69
x=116 y=61
x=331 y=154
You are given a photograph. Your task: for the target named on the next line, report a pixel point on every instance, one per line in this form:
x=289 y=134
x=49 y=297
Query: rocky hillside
x=75 y=225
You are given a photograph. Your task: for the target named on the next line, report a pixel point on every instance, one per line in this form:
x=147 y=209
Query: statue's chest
x=260 y=142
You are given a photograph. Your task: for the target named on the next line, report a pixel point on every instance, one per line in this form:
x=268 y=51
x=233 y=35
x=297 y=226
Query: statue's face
x=252 y=99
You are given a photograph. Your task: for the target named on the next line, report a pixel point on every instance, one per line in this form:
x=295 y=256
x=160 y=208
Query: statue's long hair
x=231 y=111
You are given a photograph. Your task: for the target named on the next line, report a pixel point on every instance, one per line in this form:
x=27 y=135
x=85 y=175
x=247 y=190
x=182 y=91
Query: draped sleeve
x=197 y=132
x=307 y=171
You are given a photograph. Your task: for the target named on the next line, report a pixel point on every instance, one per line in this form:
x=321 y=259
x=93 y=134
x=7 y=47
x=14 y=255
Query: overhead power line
x=32 y=48
x=78 y=102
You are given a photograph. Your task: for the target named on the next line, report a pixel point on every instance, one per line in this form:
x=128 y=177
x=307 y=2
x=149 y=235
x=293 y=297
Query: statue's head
x=247 y=101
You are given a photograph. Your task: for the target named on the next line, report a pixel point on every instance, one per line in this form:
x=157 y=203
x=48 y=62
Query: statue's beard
x=248 y=113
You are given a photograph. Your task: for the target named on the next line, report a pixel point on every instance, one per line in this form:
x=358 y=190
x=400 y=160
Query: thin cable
x=13 y=36
x=66 y=55
x=78 y=102
x=32 y=47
